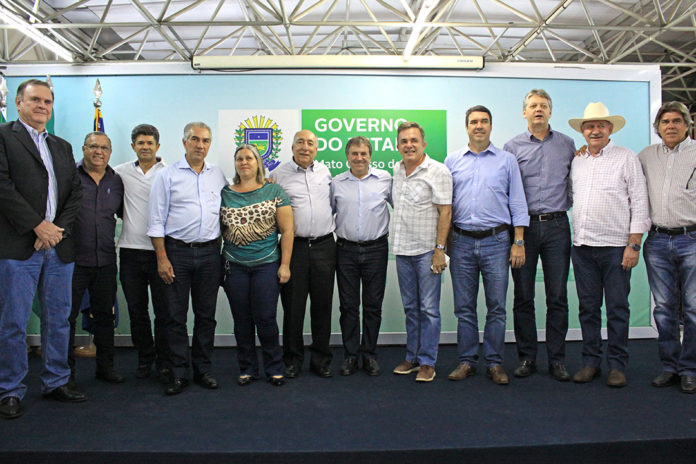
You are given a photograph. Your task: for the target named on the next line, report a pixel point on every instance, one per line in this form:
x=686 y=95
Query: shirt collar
x=490 y=149
x=682 y=145
x=183 y=164
x=351 y=176
x=297 y=167
x=33 y=132
x=158 y=160
x=532 y=137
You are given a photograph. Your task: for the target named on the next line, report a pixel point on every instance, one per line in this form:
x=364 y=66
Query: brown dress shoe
x=462 y=371
x=586 y=374
x=616 y=379
x=425 y=374
x=498 y=375
x=406 y=367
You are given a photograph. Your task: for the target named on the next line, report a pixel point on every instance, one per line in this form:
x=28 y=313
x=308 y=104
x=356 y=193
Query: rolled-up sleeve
x=517 y=199
x=158 y=206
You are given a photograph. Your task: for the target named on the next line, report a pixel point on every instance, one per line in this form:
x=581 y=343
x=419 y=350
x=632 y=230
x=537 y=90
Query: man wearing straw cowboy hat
x=610 y=216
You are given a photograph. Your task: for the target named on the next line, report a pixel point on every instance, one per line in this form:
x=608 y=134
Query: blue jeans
x=489 y=257
x=598 y=271
x=356 y=265
x=420 y=294
x=19 y=281
x=253 y=296
x=671 y=260
x=550 y=241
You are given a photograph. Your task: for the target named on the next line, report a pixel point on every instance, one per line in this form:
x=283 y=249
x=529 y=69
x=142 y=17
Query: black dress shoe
x=371 y=366
x=559 y=372
x=206 y=380
x=525 y=369
x=143 y=371
x=688 y=384
x=349 y=366
x=66 y=395
x=277 y=381
x=176 y=385
x=109 y=375
x=292 y=371
x=322 y=371
x=665 y=379
x=10 y=407
x=245 y=379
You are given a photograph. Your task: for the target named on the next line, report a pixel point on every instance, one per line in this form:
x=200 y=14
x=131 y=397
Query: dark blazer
x=24 y=189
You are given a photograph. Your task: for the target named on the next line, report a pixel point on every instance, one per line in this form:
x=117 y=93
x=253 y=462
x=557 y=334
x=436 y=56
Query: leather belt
x=343 y=241
x=171 y=241
x=480 y=233
x=543 y=217
x=312 y=241
x=674 y=230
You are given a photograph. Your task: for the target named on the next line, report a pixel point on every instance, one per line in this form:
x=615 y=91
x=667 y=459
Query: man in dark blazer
x=40 y=195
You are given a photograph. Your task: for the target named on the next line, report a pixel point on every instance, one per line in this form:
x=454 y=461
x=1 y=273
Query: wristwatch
x=440 y=247
x=634 y=246
x=519 y=242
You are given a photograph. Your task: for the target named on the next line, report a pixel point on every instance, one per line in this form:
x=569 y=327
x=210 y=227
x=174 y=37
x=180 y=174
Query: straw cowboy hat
x=597 y=112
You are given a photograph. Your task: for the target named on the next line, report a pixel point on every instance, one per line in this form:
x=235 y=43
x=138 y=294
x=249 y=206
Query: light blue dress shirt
x=39 y=139
x=184 y=204
x=545 y=168
x=488 y=189
x=360 y=205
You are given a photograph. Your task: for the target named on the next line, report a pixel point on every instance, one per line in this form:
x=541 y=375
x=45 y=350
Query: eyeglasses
x=94 y=147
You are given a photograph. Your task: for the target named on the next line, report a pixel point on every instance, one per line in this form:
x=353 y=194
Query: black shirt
x=95 y=224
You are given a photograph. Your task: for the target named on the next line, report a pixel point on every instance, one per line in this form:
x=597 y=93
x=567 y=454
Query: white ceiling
x=565 y=31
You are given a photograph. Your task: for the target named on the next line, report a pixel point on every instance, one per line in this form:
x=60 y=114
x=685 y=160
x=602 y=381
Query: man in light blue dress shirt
x=360 y=198
x=544 y=156
x=488 y=198
x=184 y=227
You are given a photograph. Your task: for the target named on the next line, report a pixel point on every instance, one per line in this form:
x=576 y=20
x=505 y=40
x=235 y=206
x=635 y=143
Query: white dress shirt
x=310 y=194
x=610 y=197
x=136 y=194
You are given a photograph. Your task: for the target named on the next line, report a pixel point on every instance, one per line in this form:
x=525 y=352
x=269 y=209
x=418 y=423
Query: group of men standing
x=482 y=211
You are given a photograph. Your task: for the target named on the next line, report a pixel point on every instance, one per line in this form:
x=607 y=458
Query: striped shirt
x=671 y=176
x=39 y=139
x=414 y=221
x=610 y=198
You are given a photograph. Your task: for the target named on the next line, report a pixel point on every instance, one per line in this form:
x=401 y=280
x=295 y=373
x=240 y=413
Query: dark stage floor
x=359 y=418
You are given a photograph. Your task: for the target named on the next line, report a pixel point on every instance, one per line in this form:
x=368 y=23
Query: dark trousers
x=101 y=284
x=138 y=270
x=197 y=272
x=312 y=270
x=253 y=296
x=357 y=264
x=550 y=241
x=598 y=271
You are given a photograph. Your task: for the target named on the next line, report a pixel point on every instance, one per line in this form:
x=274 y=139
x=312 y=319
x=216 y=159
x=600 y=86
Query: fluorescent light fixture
x=423 y=13
x=22 y=26
x=335 y=62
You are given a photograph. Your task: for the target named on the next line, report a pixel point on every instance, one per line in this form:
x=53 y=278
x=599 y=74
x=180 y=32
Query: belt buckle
x=542 y=217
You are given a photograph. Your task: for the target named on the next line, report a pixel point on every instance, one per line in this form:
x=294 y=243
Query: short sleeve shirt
x=249 y=225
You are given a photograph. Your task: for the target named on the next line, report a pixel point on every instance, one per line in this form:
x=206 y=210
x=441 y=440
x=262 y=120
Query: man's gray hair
x=95 y=134
x=188 y=129
x=676 y=107
x=539 y=93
